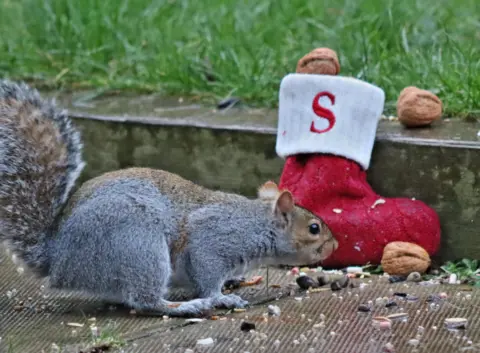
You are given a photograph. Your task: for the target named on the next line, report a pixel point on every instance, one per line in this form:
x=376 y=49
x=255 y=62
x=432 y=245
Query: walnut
x=418 y=107
x=402 y=258
x=321 y=61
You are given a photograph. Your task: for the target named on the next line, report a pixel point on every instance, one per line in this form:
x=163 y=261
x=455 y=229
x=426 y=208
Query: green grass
x=465 y=269
x=216 y=48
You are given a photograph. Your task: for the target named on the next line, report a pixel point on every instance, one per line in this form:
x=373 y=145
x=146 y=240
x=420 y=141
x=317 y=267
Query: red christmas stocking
x=326 y=130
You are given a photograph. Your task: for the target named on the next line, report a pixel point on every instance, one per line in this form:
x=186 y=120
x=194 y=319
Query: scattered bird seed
x=396 y=279
x=397 y=316
x=318 y=290
x=354 y=269
x=74 y=324
x=247 y=326
x=452 y=279
x=382 y=322
x=323 y=279
x=274 y=310
x=306 y=282
x=456 y=323
x=364 y=308
x=414 y=342
x=353 y=284
x=432 y=298
x=194 y=320
x=389 y=348
x=414 y=277
x=378 y=202
x=335 y=286
x=205 y=342
x=344 y=281
x=391 y=304
x=252 y=282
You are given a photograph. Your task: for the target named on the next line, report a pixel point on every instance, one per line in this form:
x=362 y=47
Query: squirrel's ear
x=268 y=191
x=284 y=202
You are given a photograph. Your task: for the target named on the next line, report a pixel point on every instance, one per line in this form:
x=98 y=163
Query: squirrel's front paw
x=229 y=301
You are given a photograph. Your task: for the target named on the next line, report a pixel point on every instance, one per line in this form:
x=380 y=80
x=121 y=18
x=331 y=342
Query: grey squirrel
x=128 y=236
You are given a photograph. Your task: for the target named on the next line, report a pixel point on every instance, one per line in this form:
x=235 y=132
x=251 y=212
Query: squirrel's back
x=183 y=192
x=40 y=160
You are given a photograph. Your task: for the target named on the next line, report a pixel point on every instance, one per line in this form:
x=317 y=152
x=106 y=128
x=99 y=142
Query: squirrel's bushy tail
x=40 y=160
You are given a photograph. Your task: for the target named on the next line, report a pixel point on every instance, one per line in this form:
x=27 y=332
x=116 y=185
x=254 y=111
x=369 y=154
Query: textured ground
x=325 y=321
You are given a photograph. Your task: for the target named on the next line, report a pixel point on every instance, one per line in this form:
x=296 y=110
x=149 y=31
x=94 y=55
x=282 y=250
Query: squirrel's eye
x=314 y=229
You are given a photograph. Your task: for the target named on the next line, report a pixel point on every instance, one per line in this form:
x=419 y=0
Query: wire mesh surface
x=316 y=322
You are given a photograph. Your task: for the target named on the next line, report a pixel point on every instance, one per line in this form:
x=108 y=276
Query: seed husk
x=335 y=286
x=323 y=279
x=391 y=304
x=397 y=316
x=306 y=282
x=247 y=326
x=414 y=277
x=396 y=279
x=456 y=323
x=344 y=281
x=364 y=308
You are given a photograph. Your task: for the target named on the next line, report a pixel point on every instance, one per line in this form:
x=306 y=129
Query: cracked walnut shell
x=321 y=61
x=418 y=107
x=402 y=258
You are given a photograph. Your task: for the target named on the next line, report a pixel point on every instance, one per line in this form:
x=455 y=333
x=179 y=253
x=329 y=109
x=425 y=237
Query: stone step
x=234 y=150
